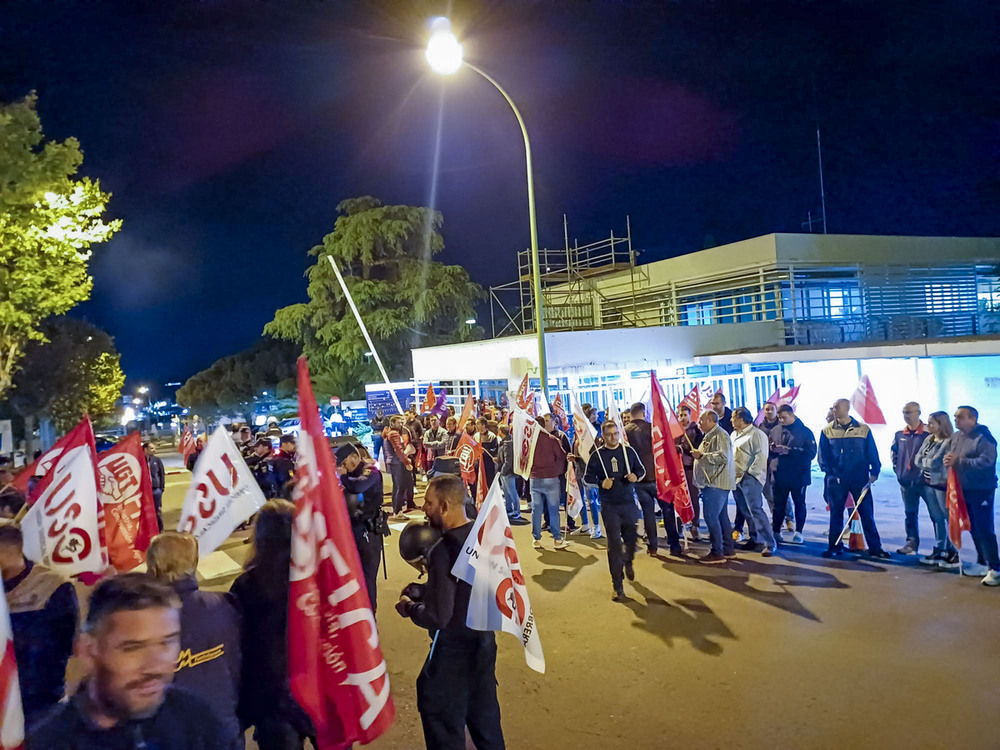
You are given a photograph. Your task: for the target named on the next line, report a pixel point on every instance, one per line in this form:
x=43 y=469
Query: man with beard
x=457 y=687
x=129 y=647
x=362 y=482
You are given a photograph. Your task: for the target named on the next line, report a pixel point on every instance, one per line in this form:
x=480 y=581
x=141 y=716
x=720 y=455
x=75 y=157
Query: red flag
x=958 y=513
x=671 y=484
x=470 y=404
x=481 y=484
x=559 y=412
x=187 y=446
x=468 y=452
x=335 y=666
x=865 y=404
x=523 y=397
x=11 y=713
x=693 y=402
x=790 y=396
x=42 y=465
x=775 y=399
x=127 y=496
x=430 y=399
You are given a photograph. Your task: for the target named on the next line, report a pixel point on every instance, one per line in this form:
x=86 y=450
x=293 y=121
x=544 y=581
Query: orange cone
x=856 y=538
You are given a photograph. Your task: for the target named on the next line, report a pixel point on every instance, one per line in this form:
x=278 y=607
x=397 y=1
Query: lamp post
x=444 y=55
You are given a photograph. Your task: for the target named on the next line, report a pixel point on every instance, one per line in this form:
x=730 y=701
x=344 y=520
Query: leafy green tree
x=74 y=371
x=405 y=298
x=48 y=223
x=232 y=384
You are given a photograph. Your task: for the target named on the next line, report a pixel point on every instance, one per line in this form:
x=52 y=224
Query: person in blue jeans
x=715 y=474
x=508 y=480
x=548 y=469
x=378 y=424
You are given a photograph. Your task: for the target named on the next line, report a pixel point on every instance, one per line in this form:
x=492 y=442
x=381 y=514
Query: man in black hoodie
x=794 y=451
x=640 y=437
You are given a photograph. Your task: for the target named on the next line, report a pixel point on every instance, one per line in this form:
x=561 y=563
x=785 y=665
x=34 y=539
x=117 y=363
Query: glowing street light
x=470 y=322
x=143 y=389
x=444 y=55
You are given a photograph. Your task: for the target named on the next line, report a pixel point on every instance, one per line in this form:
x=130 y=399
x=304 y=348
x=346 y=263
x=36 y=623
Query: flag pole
x=364 y=332
x=857 y=505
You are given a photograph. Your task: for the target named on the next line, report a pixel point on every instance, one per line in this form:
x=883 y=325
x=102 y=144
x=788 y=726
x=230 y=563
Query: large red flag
x=470 y=404
x=559 y=412
x=187 y=445
x=468 y=452
x=127 y=496
x=335 y=666
x=865 y=404
x=671 y=484
x=958 y=513
x=525 y=400
x=430 y=399
x=11 y=713
x=693 y=402
x=42 y=465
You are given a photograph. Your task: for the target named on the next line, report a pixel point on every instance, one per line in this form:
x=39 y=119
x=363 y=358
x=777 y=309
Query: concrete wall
x=883 y=249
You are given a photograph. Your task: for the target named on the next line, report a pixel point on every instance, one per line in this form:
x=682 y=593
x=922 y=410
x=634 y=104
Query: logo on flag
x=335 y=665
x=489 y=563
x=11 y=713
x=127 y=496
x=468 y=453
x=865 y=404
x=524 y=433
x=559 y=412
x=223 y=494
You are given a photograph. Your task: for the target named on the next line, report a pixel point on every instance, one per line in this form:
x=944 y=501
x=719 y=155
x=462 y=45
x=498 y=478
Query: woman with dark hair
x=262 y=592
x=930 y=461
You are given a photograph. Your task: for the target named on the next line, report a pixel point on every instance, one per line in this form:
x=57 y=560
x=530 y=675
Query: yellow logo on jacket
x=187 y=659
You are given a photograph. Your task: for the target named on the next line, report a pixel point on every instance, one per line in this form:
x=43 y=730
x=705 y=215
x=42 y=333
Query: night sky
x=229 y=130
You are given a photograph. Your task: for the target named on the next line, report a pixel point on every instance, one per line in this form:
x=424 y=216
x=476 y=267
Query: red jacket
x=549 y=459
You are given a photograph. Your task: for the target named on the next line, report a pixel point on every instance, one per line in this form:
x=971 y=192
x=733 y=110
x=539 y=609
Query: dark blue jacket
x=209 y=663
x=848 y=453
x=905 y=446
x=794 y=468
x=976 y=463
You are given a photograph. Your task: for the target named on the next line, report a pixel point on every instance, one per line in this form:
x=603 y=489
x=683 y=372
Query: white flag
x=524 y=432
x=11 y=714
x=62 y=528
x=585 y=432
x=574 y=501
x=489 y=563
x=223 y=494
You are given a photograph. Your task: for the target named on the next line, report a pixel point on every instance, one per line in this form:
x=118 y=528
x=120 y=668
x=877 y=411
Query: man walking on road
x=905 y=446
x=715 y=475
x=850 y=459
x=158 y=481
x=973 y=453
x=750 y=453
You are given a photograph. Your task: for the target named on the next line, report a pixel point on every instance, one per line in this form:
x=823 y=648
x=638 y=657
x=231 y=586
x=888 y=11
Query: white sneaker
x=581 y=530
x=562 y=544
x=596 y=534
x=797 y=538
x=974 y=569
x=536 y=544
x=992 y=578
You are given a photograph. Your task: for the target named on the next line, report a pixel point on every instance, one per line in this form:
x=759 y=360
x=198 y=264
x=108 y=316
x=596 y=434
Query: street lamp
x=444 y=55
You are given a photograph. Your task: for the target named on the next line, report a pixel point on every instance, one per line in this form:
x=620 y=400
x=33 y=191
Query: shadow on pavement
x=687 y=619
x=561 y=567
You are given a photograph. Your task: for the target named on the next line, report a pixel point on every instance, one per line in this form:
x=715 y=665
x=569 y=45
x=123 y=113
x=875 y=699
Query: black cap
x=347 y=449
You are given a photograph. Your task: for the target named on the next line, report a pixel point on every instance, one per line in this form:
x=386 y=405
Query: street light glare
x=470 y=322
x=444 y=53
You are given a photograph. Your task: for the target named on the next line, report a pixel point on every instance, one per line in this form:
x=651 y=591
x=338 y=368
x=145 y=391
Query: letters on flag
x=958 y=512
x=335 y=666
x=127 y=497
x=468 y=452
x=11 y=713
x=559 y=412
x=523 y=397
x=574 y=500
x=865 y=404
x=489 y=563
x=82 y=434
x=671 y=484
x=223 y=494
x=430 y=399
x=524 y=433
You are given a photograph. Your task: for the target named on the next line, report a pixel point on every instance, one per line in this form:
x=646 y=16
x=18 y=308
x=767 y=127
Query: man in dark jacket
x=209 y=662
x=905 y=446
x=363 y=488
x=724 y=412
x=690 y=441
x=129 y=648
x=850 y=459
x=457 y=687
x=508 y=480
x=158 y=480
x=259 y=463
x=283 y=465
x=794 y=451
x=640 y=437
x=973 y=454
x=43 y=614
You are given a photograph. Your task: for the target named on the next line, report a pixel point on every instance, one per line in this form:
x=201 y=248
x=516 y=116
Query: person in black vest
x=43 y=615
x=362 y=482
x=158 y=480
x=457 y=687
x=209 y=663
x=640 y=437
x=129 y=647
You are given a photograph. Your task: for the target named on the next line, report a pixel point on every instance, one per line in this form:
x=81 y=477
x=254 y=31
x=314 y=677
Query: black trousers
x=158 y=504
x=838 y=501
x=275 y=735
x=457 y=688
x=781 y=507
x=980 y=505
x=646 y=493
x=370 y=552
x=619 y=526
x=402 y=486
x=670 y=521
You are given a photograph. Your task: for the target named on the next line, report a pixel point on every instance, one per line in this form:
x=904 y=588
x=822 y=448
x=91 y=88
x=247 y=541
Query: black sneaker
x=879 y=554
x=832 y=552
x=676 y=551
x=712 y=558
x=949 y=561
x=748 y=546
x=629 y=571
x=618 y=595
x=931 y=559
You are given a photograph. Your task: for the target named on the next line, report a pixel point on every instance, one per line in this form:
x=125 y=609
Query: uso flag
x=335 y=666
x=489 y=564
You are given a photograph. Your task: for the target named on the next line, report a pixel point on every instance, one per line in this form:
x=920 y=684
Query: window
x=697 y=314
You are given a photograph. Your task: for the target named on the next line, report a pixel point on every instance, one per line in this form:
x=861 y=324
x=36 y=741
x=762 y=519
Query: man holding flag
x=640 y=437
x=457 y=686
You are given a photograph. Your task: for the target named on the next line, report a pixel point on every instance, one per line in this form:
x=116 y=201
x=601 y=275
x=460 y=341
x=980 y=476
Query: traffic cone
x=856 y=535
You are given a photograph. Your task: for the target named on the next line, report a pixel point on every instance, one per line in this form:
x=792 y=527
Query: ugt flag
x=127 y=497
x=11 y=714
x=524 y=434
x=693 y=402
x=958 y=512
x=65 y=527
x=469 y=453
x=223 y=494
x=671 y=484
x=335 y=665
x=489 y=563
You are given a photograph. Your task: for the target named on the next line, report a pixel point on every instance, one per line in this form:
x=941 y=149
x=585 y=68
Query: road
x=791 y=652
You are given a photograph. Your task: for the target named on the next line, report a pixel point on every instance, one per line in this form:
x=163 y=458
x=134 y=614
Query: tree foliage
x=232 y=383
x=405 y=298
x=74 y=371
x=48 y=223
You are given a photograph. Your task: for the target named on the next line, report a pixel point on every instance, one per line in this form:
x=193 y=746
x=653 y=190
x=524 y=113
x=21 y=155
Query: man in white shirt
x=750 y=451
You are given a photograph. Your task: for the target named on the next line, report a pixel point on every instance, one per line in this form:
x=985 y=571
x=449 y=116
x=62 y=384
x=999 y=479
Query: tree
x=48 y=222
x=231 y=384
x=74 y=371
x=405 y=298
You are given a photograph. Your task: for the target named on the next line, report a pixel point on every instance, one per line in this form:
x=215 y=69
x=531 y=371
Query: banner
x=127 y=496
x=559 y=412
x=790 y=396
x=583 y=429
x=40 y=467
x=775 y=399
x=574 y=500
x=958 y=513
x=470 y=403
x=186 y=447
x=223 y=494
x=468 y=452
x=335 y=666
x=11 y=713
x=524 y=398
x=613 y=414
x=440 y=408
x=489 y=563
x=865 y=404
x=524 y=433
x=671 y=484
x=693 y=402
x=429 y=400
